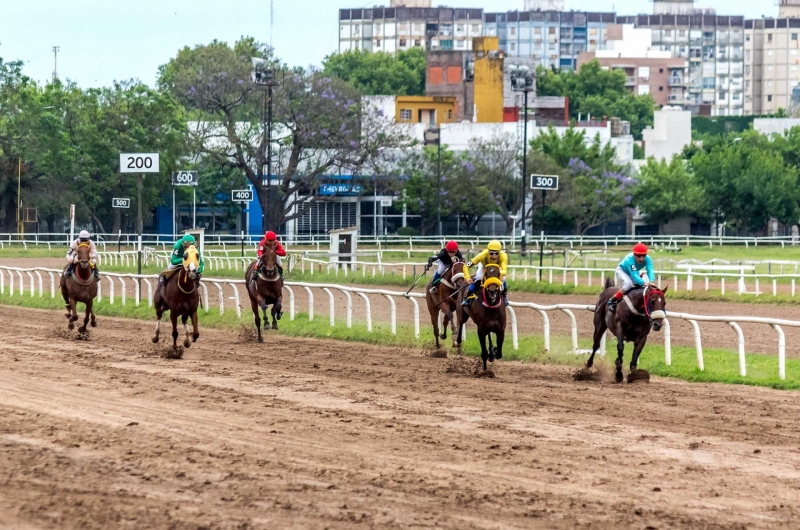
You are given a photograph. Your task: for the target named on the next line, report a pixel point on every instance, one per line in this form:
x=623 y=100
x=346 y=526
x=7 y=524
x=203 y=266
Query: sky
x=102 y=41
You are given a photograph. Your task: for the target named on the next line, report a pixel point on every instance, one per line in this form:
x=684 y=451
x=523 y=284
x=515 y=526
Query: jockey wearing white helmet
x=72 y=254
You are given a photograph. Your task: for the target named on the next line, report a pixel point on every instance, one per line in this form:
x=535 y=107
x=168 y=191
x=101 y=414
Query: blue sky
x=104 y=40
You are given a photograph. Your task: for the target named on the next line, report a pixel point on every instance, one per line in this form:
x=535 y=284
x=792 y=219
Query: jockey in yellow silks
x=493 y=255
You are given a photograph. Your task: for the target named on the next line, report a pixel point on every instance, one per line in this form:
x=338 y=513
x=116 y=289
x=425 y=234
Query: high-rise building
x=714 y=47
x=772 y=59
x=409 y=24
x=552 y=38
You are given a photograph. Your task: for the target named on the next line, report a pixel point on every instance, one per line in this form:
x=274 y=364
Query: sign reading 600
x=184 y=178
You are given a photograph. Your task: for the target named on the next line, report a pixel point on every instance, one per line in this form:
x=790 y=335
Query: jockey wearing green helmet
x=176 y=258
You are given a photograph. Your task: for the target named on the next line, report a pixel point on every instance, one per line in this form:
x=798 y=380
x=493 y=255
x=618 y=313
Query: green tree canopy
x=380 y=73
x=667 y=191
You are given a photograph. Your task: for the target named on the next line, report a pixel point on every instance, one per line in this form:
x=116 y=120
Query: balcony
x=676 y=80
x=630 y=80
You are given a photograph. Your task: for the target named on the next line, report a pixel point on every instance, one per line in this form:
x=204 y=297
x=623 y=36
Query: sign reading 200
x=139 y=163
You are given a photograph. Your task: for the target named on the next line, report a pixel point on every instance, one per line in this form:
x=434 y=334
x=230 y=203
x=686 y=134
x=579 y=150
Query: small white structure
x=199 y=236
x=672 y=132
x=344 y=243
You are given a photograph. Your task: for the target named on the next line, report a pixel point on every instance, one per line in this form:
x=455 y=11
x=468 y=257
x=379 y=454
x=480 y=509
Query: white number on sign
x=544 y=181
x=184 y=177
x=140 y=162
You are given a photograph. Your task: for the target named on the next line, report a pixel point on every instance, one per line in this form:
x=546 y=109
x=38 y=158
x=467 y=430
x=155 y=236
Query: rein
x=486 y=304
x=645 y=300
x=186 y=277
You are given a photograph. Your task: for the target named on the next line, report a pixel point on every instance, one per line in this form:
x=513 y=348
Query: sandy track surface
x=319 y=434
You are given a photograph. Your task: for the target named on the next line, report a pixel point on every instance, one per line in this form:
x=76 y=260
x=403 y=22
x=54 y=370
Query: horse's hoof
x=155 y=339
x=639 y=376
x=498 y=355
x=279 y=315
x=618 y=377
x=187 y=343
x=443 y=336
x=71 y=325
x=94 y=324
x=275 y=325
x=260 y=339
x=195 y=336
x=266 y=326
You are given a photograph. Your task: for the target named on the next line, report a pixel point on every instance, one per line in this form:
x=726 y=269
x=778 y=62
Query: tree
x=320 y=126
x=380 y=73
x=597 y=92
x=595 y=189
x=667 y=191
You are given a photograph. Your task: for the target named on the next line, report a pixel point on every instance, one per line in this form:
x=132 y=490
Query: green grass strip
x=721 y=366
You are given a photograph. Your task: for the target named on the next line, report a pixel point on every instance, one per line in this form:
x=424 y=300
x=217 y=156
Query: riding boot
x=70 y=269
x=280 y=272
x=612 y=304
x=96 y=273
x=505 y=298
x=470 y=296
x=434 y=282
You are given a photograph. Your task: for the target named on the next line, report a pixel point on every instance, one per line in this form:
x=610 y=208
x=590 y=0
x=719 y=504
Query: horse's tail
x=609 y=283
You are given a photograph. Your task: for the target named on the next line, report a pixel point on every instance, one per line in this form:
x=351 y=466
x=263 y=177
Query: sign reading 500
x=139 y=163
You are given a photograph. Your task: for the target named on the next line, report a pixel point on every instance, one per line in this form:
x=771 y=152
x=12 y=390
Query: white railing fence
x=110 y=279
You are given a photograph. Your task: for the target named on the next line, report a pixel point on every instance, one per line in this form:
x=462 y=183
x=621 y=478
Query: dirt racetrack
x=318 y=434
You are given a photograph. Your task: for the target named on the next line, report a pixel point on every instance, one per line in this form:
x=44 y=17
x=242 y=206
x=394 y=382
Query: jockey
x=445 y=256
x=493 y=255
x=176 y=259
x=72 y=254
x=270 y=238
x=630 y=271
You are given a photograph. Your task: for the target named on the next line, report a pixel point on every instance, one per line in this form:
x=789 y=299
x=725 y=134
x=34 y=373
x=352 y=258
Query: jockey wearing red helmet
x=271 y=239
x=446 y=257
x=635 y=270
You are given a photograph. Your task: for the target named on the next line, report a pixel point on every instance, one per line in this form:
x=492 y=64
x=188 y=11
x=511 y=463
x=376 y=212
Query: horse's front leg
x=173 y=317
x=256 y=318
x=73 y=313
x=443 y=328
x=264 y=313
x=620 y=352
x=195 y=329
x=638 y=346
x=599 y=329
x=484 y=351
x=276 y=314
x=500 y=335
x=186 y=342
x=87 y=315
x=159 y=314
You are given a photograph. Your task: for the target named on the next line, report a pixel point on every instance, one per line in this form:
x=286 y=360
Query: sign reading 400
x=139 y=163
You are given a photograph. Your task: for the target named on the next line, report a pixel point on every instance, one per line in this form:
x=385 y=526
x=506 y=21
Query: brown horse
x=80 y=286
x=265 y=289
x=441 y=304
x=489 y=314
x=641 y=310
x=178 y=293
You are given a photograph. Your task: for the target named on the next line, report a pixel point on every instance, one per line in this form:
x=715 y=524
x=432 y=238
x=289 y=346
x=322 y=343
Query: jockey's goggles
x=494 y=252
x=640 y=255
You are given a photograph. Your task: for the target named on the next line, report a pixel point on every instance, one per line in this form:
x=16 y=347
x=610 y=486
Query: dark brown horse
x=80 y=286
x=641 y=310
x=445 y=301
x=489 y=314
x=178 y=293
x=265 y=289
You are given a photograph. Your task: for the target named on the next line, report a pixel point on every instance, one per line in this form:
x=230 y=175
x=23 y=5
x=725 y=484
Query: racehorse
x=489 y=314
x=178 y=293
x=447 y=298
x=266 y=289
x=641 y=310
x=80 y=286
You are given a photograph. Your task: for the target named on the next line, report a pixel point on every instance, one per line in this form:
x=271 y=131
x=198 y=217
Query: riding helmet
x=640 y=249
x=83 y=235
x=451 y=246
x=495 y=246
x=270 y=236
x=188 y=239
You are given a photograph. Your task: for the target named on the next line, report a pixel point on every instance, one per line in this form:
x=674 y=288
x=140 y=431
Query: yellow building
x=488 y=82
x=433 y=110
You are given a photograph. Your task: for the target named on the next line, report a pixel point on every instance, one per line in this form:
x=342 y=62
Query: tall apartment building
x=772 y=60
x=551 y=38
x=409 y=24
x=714 y=47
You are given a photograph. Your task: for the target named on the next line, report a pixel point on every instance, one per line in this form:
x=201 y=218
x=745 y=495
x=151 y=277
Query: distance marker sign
x=241 y=195
x=544 y=182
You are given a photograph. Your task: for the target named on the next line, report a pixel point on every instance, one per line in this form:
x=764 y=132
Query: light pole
x=514 y=218
x=522 y=81
x=264 y=76
x=434 y=135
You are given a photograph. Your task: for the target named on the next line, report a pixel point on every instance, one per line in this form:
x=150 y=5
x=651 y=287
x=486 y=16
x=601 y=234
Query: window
x=450 y=114
x=377 y=42
x=682 y=33
x=459 y=44
x=792 y=52
x=435 y=75
x=417 y=43
x=769 y=98
x=723 y=95
x=403 y=42
x=769 y=52
x=747 y=37
x=769 y=84
x=454 y=74
x=643 y=89
x=476 y=28
x=644 y=72
x=551 y=30
x=661 y=89
x=513 y=31
x=736 y=96
x=794 y=36
x=747 y=70
x=660 y=70
x=513 y=46
x=405 y=114
x=537 y=31
x=769 y=37
x=459 y=28
x=668 y=33
x=747 y=55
